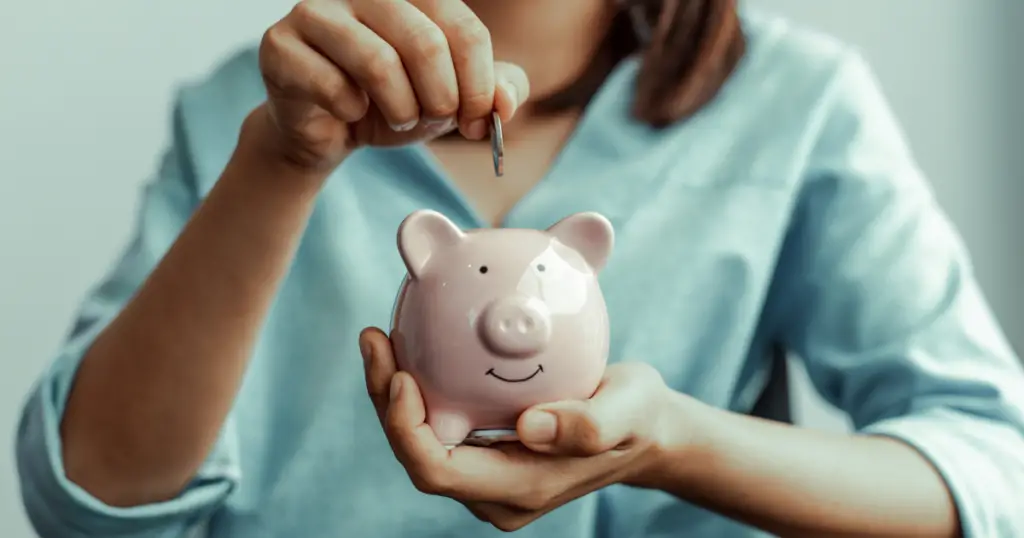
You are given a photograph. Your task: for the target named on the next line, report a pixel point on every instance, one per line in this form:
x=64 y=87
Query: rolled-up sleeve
x=881 y=303
x=57 y=507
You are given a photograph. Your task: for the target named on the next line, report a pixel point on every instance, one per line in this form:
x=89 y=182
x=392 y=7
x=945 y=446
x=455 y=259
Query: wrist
x=678 y=444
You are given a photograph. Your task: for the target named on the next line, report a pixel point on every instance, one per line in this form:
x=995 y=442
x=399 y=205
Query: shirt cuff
x=980 y=459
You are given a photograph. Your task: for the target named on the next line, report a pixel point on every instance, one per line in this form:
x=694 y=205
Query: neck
x=552 y=40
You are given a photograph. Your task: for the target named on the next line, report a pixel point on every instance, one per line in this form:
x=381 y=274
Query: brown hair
x=689 y=49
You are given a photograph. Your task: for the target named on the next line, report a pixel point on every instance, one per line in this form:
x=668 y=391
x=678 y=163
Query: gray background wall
x=86 y=87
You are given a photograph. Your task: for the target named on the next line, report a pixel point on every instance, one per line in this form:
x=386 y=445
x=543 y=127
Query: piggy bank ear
x=590 y=234
x=423 y=234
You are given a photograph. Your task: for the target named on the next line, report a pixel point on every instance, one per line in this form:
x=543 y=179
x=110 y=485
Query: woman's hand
x=571 y=448
x=341 y=74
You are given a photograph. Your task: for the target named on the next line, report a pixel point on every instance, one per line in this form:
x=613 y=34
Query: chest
x=529 y=153
x=685 y=284
x=684 y=288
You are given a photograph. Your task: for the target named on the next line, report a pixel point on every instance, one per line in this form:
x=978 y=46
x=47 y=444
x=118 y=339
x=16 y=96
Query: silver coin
x=497 y=145
x=489 y=437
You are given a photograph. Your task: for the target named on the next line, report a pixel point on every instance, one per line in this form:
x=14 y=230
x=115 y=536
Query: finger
x=467 y=474
x=364 y=56
x=543 y=483
x=379 y=367
x=473 y=57
x=600 y=424
x=512 y=89
x=508 y=475
x=412 y=439
x=423 y=48
x=292 y=70
x=479 y=511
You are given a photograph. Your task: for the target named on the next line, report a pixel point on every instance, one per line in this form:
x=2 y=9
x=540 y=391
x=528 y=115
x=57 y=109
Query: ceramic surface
x=492 y=321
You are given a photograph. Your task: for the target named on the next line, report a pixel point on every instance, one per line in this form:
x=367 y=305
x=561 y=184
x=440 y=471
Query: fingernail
x=439 y=125
x=403 y=127
x=396 y=387
x=540 y=427
x=477 y=129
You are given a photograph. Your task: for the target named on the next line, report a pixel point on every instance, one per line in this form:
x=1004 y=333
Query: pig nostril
x=515 y=326
x=520 y=325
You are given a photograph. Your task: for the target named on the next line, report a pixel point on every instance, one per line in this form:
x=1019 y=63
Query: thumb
x=576 y=428
x=512 y=89
x=619 y=412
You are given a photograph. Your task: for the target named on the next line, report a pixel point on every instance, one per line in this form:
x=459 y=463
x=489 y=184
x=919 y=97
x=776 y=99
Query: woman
x=762 y=195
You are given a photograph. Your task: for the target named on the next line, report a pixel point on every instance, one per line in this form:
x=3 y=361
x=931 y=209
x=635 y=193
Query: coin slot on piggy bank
x=493 y=321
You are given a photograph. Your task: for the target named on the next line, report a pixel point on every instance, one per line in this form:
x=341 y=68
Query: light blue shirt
x=788 y=211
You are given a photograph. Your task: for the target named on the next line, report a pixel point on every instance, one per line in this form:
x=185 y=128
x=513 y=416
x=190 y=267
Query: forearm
x=153 y=391
x=796 y=482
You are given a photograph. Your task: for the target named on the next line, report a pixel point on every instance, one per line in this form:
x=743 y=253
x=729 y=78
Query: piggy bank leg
x=451 y=428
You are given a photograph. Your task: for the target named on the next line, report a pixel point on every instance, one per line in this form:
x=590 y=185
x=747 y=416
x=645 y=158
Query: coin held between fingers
x=497 y=145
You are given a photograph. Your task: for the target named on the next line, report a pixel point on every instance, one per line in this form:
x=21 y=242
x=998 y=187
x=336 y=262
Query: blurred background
x=85 y=90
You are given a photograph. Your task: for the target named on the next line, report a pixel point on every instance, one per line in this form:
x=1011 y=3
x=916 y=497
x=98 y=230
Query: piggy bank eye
x=541 y=268
x=483 y=269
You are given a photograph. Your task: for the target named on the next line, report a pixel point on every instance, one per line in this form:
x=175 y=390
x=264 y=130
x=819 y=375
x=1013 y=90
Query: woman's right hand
x=341 y=74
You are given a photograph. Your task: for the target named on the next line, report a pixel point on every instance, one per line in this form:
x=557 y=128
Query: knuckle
x=443 y=106
x=587 y=434
x=385 y=10
x=444 y=110
x=477 y=100
x=331 y=89
x=270 y=49
x=427 y=42
x=478 y=512
x=501 y=517
x=354 y=110
x=380 y=65
x=304 y=12
x=432 y=481
x=538 y=496
x=422 y=485
x=338 y=97
x=468 y=31
x=271 y=38
x=508 y=523
x=301 y=13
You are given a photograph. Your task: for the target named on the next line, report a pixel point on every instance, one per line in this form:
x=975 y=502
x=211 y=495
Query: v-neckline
x=562 y=161
x=442 y=176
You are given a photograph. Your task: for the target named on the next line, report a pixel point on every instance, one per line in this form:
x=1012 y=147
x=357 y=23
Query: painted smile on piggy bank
x=492 y=373
x=492 y=321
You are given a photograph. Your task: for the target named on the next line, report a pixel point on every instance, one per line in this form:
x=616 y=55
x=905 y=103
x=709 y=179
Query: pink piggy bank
x=492 y=321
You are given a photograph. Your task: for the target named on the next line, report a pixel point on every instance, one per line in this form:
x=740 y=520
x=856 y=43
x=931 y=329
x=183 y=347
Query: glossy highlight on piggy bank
x=493 y=321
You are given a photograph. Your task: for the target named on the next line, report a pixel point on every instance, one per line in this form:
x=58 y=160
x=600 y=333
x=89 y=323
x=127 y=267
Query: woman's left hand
x=568 y=449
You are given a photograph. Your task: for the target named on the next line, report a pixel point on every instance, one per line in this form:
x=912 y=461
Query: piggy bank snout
x=516 y=326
